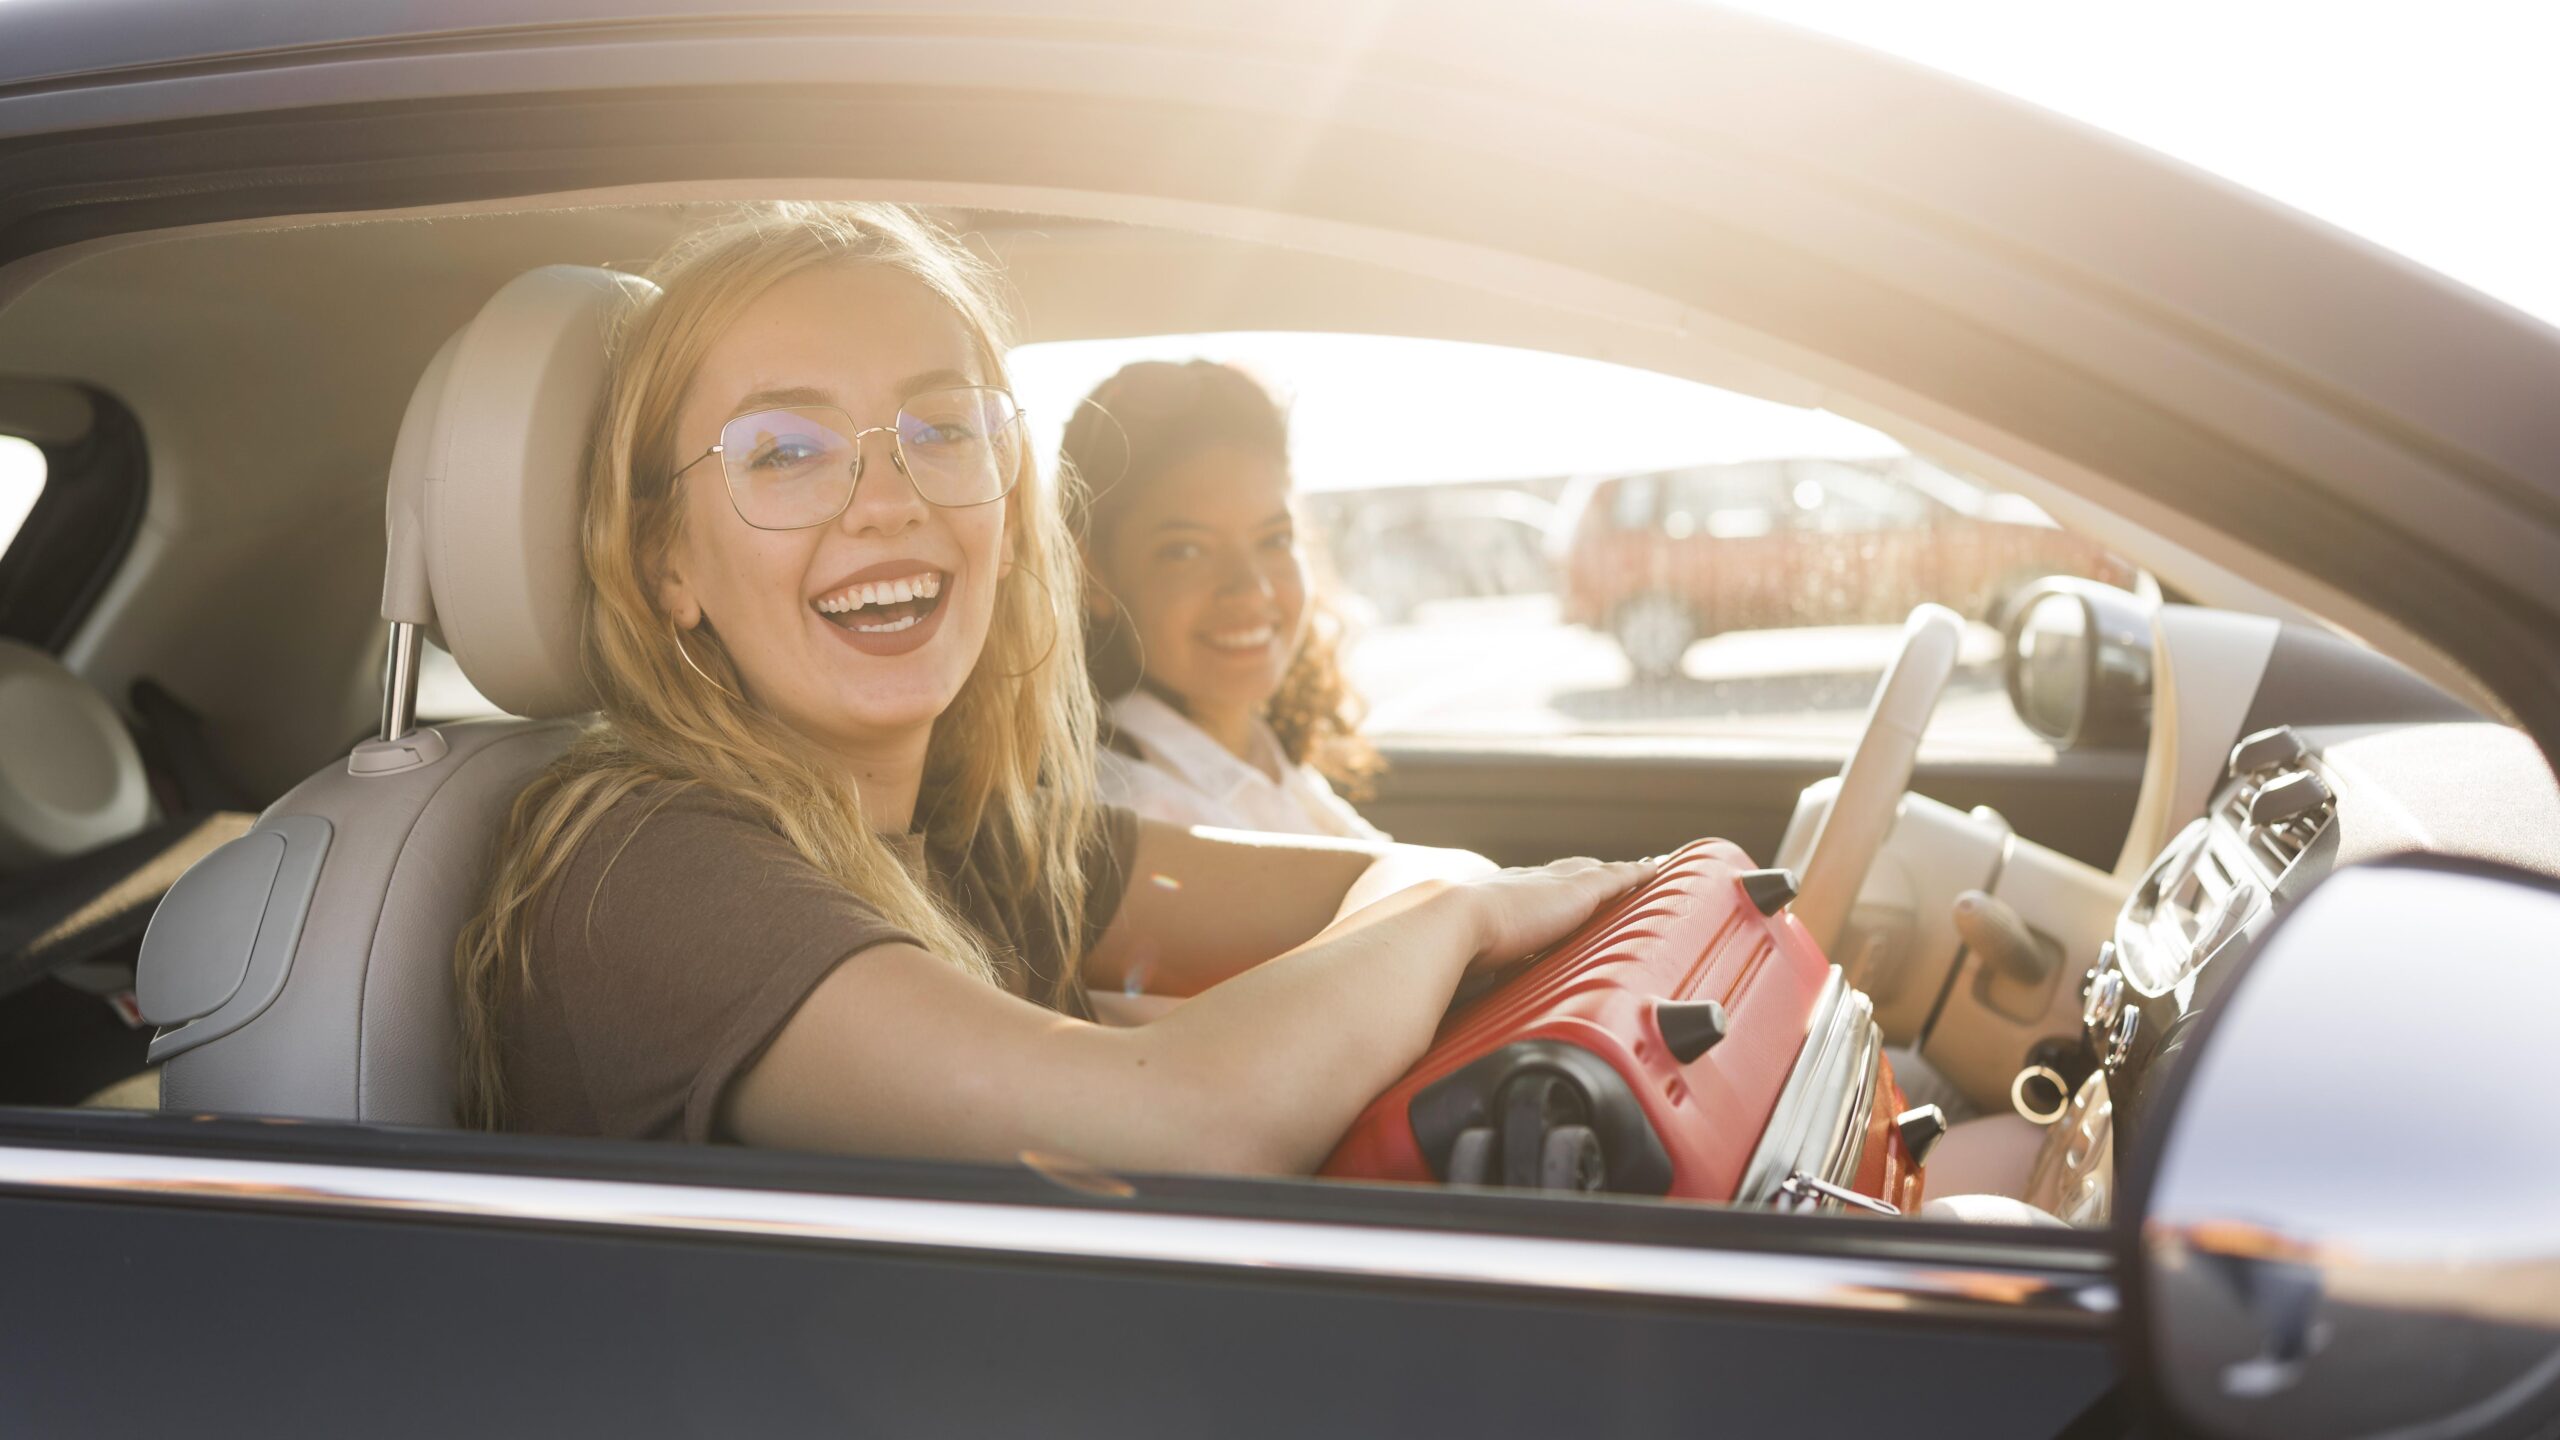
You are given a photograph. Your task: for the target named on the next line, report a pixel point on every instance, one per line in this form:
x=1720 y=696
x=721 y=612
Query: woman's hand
x=1517 y=913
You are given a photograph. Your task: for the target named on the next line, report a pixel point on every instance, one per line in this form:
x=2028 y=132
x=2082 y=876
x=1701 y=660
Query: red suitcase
x=1691 y=1041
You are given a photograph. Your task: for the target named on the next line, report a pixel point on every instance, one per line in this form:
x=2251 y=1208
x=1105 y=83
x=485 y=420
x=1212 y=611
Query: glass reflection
x=2354 y=1230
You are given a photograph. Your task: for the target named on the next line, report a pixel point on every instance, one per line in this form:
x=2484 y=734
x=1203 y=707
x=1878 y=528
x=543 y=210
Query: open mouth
x=883 y=607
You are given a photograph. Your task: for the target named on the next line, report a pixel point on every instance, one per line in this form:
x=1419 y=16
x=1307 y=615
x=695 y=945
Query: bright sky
x=2432 y=130
x=1374 y=410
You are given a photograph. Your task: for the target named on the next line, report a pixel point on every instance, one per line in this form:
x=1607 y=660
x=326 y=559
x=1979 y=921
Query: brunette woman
x=1225 y=702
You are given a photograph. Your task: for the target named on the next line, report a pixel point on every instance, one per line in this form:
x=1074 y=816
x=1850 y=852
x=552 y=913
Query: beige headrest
x=484 y=485
x=70 y=777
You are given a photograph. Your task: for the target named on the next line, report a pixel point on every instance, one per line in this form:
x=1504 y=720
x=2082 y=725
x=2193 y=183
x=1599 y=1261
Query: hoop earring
x=678 y=632
x=1054 y=623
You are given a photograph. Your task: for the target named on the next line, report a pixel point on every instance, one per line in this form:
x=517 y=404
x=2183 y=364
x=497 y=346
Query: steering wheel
x=1879 y=770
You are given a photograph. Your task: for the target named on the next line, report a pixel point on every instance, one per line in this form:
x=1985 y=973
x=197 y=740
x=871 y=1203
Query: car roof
x=1663 y=184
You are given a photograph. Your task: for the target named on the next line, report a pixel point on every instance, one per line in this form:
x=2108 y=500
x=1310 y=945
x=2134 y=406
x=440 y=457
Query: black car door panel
x=260 y=1278
x=251 y=1323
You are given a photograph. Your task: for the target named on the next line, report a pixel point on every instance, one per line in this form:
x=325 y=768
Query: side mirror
x=2079 y=663
x=2346 y=1218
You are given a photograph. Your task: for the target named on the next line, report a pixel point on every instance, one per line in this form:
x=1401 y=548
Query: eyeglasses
x=791 y=468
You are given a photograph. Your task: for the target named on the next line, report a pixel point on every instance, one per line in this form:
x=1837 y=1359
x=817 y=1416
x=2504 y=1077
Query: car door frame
x=2164 y=391
x=1158 y=1304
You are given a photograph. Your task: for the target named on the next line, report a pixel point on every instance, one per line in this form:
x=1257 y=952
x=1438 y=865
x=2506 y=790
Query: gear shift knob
x=1991 y=928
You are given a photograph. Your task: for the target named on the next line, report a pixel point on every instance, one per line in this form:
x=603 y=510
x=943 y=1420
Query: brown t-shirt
x=682 y=934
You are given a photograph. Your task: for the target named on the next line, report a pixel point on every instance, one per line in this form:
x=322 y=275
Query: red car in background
x=1663 y=558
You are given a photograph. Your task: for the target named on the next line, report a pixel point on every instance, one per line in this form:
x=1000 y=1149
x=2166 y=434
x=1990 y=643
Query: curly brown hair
x=1135 y=426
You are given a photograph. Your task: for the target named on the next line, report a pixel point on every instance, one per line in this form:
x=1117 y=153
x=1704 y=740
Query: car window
x=22 y=472
x=1835 y=498
x=1728 y=502
x=1632 y=499
x=1529 y=544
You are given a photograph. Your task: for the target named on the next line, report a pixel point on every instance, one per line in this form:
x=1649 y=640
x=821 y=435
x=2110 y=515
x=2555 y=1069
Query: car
x=235 y=239
x=1663 y=558
x=1401 y=548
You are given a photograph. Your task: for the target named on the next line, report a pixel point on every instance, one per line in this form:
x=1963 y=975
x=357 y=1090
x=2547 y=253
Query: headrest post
x=400 y=681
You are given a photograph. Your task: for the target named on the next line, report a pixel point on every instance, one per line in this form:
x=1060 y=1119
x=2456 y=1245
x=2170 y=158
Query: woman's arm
x=897 y=1052
x=1204 y=904
x=1401 y=866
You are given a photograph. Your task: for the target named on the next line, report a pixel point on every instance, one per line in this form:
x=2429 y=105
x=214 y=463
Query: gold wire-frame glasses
x=790 y=467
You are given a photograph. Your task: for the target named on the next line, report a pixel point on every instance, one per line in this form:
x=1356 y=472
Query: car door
x=310 y=1280
x=230 y=1274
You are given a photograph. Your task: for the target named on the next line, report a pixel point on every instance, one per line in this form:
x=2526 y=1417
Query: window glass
x=1530 y=544
x=21 y=480
x=1632 y=499
x=1833 y=498
x=1729 y=502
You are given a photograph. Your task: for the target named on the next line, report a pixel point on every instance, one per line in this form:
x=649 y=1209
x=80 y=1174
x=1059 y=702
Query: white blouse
x=1185 y=777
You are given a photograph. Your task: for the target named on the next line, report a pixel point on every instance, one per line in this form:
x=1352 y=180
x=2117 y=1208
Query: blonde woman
x=1226 y=703
x=828 y=873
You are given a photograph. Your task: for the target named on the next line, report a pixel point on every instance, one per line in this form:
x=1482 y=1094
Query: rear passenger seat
x=86 y=852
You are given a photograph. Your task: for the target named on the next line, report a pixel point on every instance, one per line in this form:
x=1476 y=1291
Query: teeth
x=891 y=592
x=1241 y=639
x=890 y=628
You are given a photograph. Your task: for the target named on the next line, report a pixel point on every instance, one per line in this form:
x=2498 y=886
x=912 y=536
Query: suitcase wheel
x=1471 y=1157
x=1571 y=1160
x=1539 y=1115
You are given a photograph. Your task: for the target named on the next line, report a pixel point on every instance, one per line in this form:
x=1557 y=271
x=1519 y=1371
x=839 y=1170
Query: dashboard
x=2295 y=804
x=2277 y=753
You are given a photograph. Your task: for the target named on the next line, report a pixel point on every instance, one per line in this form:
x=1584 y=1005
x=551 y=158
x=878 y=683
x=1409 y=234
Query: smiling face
x=1206 y=564
x=857 y=633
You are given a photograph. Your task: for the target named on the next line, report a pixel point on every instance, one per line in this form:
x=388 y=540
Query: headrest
x=70 y=777
x=484 y=486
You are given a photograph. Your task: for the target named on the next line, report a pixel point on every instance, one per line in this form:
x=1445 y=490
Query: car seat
x=305 y=969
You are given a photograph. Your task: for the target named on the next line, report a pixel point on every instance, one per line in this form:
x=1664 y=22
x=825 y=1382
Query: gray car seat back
x=305 y=969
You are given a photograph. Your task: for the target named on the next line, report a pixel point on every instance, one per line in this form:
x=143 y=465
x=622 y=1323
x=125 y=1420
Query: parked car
x=1400 y=549
x=233 y=238
x=1663 y=558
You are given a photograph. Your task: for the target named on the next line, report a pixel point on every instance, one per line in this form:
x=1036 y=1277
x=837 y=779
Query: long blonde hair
x=1008 y=779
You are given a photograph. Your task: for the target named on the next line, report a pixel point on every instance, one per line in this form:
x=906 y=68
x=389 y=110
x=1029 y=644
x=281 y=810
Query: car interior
x=290 y=463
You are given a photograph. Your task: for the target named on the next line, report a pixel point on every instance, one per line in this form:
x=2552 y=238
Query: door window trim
x=2049 y=1290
